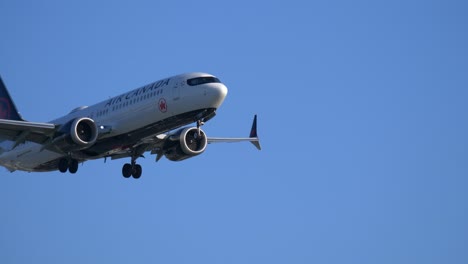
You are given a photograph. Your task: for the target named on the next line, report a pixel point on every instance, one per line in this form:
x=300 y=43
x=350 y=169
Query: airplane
x=151 y=118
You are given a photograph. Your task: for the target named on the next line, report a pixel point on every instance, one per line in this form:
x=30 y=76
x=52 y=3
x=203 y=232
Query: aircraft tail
x=7 y=107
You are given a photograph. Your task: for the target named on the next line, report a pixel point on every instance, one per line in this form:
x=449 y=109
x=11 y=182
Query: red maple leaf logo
x=162 y=105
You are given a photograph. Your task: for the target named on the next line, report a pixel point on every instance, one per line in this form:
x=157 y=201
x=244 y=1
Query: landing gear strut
x=68 y=164
x=199 y=124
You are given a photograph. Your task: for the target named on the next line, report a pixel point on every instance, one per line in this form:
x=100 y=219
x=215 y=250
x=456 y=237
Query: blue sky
x=362 y=117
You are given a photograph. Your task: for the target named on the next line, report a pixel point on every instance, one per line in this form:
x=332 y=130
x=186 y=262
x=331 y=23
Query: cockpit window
x=202 y=80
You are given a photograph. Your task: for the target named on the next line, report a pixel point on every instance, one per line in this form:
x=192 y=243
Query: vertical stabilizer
x=7 y=107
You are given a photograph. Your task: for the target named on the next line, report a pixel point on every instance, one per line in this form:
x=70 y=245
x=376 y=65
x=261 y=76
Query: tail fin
x=7 y=107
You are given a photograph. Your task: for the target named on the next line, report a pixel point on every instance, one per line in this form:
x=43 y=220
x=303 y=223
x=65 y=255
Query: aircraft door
x=176 y=92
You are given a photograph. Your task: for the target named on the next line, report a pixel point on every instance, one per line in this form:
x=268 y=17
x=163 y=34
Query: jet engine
x=84 y=131
x=186 y=143
x=80 y=133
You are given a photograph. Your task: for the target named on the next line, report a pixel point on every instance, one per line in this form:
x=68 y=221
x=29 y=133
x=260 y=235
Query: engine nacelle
x=186 y=143
x=84 y=131
x=79 y=133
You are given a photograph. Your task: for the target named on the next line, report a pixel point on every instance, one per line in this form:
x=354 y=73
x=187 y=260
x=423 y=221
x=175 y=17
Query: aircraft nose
x=216 y=94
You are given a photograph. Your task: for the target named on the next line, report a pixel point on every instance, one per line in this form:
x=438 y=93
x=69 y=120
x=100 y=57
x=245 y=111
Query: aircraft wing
x=21 y=131
x=253 y=138
x=156 y=144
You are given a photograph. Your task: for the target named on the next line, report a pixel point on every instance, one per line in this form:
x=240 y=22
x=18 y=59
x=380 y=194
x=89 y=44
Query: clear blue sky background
x=362 y=115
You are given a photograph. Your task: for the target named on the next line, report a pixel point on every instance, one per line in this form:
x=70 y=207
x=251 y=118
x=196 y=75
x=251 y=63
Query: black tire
x=127 y=170
x=137 y=170
x=63 y=165
x=73 y=166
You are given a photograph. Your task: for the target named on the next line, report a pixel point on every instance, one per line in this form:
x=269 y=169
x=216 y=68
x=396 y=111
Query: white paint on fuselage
x=124 y=113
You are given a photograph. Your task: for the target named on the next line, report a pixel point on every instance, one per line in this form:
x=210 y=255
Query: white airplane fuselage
x=142 y=113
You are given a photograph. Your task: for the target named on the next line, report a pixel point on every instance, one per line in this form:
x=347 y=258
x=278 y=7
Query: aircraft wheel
x=73 y=166
x=63 y=165
x=137 y=170
x=127 y=170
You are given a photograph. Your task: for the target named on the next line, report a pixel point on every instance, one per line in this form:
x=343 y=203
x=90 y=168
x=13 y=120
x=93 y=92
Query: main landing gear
x=68 y=164
x=132 y=169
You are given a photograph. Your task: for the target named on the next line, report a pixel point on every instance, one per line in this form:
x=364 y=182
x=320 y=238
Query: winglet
x=7 y=107
x=253 y=134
